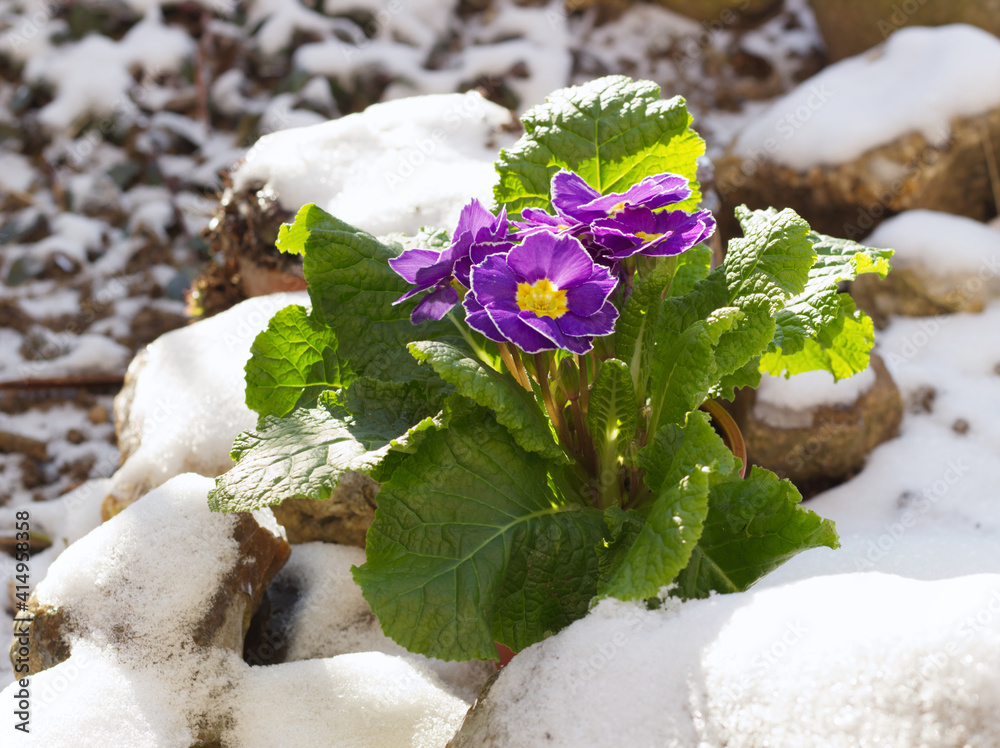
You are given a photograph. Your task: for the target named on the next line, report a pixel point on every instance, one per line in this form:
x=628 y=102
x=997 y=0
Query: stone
x=850 y=27
x=184 y=400
x=942 y=264
x=851 y=199
x=820 y=446
x=726 y=12
x=343 y=518
x=164 y=575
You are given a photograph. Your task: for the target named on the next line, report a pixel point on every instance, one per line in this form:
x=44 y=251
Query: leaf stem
x=542 y=370
x=483 y=356
x=514 y=366
x=581 y=364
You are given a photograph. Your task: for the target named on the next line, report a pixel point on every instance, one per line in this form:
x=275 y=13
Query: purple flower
x=544 y=294
x=479 y=234
x=635 y=231
x=573 y=198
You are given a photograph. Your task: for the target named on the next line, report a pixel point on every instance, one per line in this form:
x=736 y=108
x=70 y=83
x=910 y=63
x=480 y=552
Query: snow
x=858 y=659
x=331 y=616
x=189 y=399
x=947 y=252
x=919 y=80
x=107 y=578
x=789 y=403
x=395 y=167
x=139 y=658
x=92 y=75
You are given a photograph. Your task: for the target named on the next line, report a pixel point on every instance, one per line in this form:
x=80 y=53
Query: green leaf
x=352 y=289
x=470 y=546
x=303 y=455
x=772 y=259
x=747 y=375
x=664 y=544
x=678 y=450
x=753 y=526
x=680 y=464
x=692 y=267
x=683 y=360
x=612 y=416
x=613 y=132
x=821 y=328
x=512 y=405
x=638 y=319
x=291 y=363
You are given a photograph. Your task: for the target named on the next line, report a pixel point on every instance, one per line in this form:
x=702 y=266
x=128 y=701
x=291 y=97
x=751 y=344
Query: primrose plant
x=539 y=393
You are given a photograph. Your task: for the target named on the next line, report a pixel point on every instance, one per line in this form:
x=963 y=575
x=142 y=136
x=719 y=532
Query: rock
x=814 y=432
x=814 y=151
x=317 y=611
x=184 y=400
x=727 y=12
x=850 y=27
x=343 y=518
x=943 y=264
x=206 y=573
x=801 y=664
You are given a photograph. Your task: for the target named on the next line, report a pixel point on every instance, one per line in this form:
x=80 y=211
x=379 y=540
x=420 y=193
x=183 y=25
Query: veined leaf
x=291 y=363
x=634 y=329
x=470 y=546
x=753 y=526
x=510 y=403
x=352 y=289
x=303 y=455
x=613 y=132
x=821 y=328
x=612 y=416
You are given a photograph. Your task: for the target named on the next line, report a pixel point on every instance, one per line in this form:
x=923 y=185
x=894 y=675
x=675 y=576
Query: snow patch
x=789 y=403
x=396 y=166
x=920 y=79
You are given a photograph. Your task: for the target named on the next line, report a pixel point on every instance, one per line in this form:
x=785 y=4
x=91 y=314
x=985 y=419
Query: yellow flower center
x=647 y=237
x=618 y=208
x=542 y=298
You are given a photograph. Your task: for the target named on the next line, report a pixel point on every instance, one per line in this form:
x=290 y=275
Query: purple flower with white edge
x=640 y=231
x=479 y=234
x=544 y=294
x=573 y=198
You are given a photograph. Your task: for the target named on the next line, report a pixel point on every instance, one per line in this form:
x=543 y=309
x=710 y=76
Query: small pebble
x=961 y=426
x=75 y=436
x=98 y=415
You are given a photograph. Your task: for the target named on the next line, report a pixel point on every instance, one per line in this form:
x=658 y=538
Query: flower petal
x=652 y=192
x=597 y=325
x=561 y=259
x=478 y=319
x=550 y=328
x=413 y=260
x=435 y=304
x=570 y=191
x=493 y=283
x=587 y=298
x=515 y=329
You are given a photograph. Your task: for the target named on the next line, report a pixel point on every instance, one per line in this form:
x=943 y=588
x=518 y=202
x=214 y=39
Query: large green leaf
x=352 y=289
x=303 y=455
x=613 y=132
x=635 y=325
x=291 y=363
x=821 y=328
x=512 y=405
x=753 y=526
x=470 y=546
x=612 y=416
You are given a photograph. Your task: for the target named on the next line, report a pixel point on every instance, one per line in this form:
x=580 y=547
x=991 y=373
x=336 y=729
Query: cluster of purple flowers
x=548 y=284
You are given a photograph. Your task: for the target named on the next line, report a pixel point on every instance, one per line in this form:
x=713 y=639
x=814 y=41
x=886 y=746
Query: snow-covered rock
x=184 y=400
x=99 y=589
x=899 y=128
x=149 y=611
x=395 y=167
x=849 y=660
x=815 y=431
x=943 y=264
x=325 y=615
